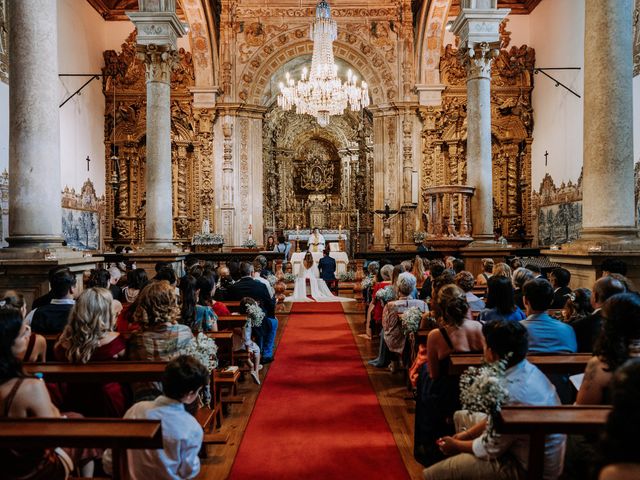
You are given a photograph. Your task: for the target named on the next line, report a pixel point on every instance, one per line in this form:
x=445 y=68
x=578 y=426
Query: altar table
x=341 y=258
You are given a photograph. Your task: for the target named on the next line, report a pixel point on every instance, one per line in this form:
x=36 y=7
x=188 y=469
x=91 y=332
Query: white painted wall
x=557 y=35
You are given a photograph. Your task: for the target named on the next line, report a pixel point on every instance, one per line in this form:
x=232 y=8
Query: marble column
x=35 y=212
x=608 y=179
x=158 y=60
x=478 y=25
x=158 y=28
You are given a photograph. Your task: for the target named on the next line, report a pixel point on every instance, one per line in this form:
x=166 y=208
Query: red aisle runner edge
x=317 y=416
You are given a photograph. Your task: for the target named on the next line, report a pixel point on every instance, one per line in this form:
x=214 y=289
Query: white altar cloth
x=341 y=258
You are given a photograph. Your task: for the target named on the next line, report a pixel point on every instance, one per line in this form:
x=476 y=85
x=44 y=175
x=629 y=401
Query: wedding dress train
x=319 y=290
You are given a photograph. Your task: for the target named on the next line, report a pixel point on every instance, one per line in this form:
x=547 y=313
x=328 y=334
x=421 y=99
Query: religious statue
x=386 y=215
x=316 y=241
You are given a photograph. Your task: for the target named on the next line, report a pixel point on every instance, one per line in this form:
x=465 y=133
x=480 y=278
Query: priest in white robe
x=316 y=241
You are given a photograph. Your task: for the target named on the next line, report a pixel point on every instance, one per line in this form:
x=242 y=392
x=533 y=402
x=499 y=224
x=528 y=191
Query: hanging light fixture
x=320 y=92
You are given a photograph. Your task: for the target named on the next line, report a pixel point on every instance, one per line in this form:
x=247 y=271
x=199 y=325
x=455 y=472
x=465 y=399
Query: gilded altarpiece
x=317 y=177
x=445 y=127
x=191 y=148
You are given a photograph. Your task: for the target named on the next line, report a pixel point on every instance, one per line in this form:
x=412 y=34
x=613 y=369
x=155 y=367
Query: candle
x=417 y=221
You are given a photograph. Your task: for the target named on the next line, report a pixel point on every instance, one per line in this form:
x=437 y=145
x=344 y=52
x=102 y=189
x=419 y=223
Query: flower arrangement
x=289 y=277
x=386 y=294
x=418 y=237
x=203 y=349
x=347 y=276
x=249 y=243
x=208 y=239
x=255 y=315
x=367 y=282
x=272 y=280
x=484 y=390
x=411 y=320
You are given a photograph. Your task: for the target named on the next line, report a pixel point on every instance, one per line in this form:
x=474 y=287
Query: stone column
x=608 y=181
x=35 y=212
x=478 y=27
x=158 y=30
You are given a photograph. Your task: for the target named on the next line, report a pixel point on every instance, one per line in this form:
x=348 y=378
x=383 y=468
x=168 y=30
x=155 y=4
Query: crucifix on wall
x=546 y=157
x=88 y=161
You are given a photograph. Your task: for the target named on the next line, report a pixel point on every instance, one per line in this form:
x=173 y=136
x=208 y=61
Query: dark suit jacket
x=327 y=268
x=51 y=318
x=248 y=287
x=560 y=297
x=587 y=331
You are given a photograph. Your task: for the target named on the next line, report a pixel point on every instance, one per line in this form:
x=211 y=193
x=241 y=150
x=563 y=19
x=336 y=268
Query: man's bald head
x=605 y=288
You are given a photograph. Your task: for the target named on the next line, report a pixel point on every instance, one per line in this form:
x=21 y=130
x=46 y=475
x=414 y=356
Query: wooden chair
x=538 y=422
x=117 y=434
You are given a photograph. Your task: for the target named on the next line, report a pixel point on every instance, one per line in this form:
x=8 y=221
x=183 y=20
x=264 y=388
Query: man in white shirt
x=181 y=433
x=477 y=455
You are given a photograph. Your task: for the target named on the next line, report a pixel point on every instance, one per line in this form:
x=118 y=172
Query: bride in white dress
x=318 y=289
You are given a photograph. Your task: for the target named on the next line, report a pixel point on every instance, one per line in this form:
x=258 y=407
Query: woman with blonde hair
x=36 y=348
x=160 y=337
x=89 y=337
x=502 y=270
x=419 y=271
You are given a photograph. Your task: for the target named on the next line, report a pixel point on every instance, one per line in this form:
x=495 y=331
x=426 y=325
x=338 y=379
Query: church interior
x=319 y=238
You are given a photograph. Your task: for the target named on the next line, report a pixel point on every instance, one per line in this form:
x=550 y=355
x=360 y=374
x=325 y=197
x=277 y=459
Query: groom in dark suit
x=327 y=269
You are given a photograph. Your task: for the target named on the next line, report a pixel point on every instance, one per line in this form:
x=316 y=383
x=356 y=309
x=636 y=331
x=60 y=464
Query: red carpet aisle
x=317 y=416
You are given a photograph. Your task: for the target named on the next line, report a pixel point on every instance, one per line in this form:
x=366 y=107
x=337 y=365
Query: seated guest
x=436 y=267
x=577 y=309
x=136 y=280
x=619 y=446
x=372 y=271
x=223 y=284
x=160 y=337
x=283 y=247
x=47 y=297
x=621 y=328
x=499 y=300
x=588 y=328
x=464 y=280
x=418 y=271
x=392 y=331
x=487 y=271
x=242 y=341
x=476 y=454
x=22 y=396
x=537 y=273
x=199 y=318
x=114 y=277
x=458 y=265
x=247 y=286
x=35 y=349
x=182 y=435
x=374 y=312
x=259 y=263
x=52 y=318
x=161 y=266
x=515 y=263
x=448 y=262
x=560 y=278
x=502 y=270
x=438 y=392
x=89 y=337
x=520 y=277
x=206 y=292
x=613 y=265
x=101 y=277
x=546 y=334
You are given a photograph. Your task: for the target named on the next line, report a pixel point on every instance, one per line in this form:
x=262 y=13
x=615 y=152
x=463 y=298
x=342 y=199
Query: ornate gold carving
x=317 y=173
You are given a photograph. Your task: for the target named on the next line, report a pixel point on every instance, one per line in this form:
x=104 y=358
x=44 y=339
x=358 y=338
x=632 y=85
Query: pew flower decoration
x=484 y=390
x=419 y=236
x=386 y=294
x=290 y=277
x=272 y=280
x=367 y=282
x=207 y=239
x=205 y=350
x=255 y=315
x=348 y=276
x=411 y=320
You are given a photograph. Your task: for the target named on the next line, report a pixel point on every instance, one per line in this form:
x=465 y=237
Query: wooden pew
x=232 y=305
x=118 y=434
x=229 y=322
x=570 y=364
x=540 y=421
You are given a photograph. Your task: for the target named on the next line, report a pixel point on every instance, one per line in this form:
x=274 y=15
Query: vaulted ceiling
x=115 y=9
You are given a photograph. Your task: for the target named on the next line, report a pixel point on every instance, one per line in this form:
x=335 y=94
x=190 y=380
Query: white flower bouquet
x=272 y=280
x=208 y=239
x=411 y=320
x=249 y=243
x=255 y=315
x=347 y=276
x=386 y=294
x=205 y=350
x=290 y=277
x=367 y=282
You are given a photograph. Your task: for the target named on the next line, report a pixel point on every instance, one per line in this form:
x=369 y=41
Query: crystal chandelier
x=321 y=93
